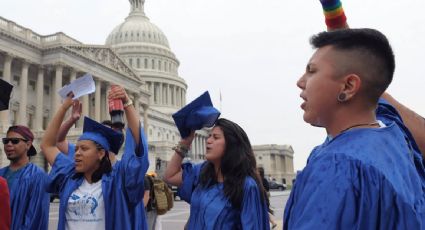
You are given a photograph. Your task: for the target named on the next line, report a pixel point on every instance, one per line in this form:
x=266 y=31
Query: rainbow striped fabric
x=334 y=14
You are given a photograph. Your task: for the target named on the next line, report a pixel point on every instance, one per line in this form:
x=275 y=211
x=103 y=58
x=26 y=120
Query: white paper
x=80 y=87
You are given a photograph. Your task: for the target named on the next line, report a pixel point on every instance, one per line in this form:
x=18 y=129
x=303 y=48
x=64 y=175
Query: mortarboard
x=5 y=91
x=108 y=138
x=196 y=115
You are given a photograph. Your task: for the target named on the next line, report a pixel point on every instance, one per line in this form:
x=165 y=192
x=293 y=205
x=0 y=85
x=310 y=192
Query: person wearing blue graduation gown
x=29 y=200
x=137 y=215
x=365 y=175
x=122 y=187
x=225 y=192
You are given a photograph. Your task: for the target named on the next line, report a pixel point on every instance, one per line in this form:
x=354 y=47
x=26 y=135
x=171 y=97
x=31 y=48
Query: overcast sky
x=252 y=50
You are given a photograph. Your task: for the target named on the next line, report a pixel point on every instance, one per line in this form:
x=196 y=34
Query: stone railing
x=58 y=38
x=34 y=38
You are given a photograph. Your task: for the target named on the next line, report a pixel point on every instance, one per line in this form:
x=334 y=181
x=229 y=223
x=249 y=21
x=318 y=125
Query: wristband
x=128 y=103
x=181 y=149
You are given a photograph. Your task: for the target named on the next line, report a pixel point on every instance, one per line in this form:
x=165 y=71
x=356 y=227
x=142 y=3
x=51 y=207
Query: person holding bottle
x=93 y=195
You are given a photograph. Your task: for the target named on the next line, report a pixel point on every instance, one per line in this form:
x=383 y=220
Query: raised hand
x=118 y=92
x=188 y=140
x=76 y=110
x=68 y=101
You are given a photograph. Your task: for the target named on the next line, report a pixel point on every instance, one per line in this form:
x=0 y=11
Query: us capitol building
x=136 y=55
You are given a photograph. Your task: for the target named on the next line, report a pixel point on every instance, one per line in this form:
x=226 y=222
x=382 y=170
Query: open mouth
x=304 y=102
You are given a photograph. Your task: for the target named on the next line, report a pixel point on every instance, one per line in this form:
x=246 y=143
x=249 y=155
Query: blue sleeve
x=62 y=169
x=134 y=165
x=387 y=113
x=190 y=179
x=37 y=213
x=71 y=150
x=254 y=213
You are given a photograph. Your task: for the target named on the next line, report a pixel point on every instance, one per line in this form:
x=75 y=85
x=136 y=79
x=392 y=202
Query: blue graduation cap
x=5 y=91
x=108 y=138
x=196 y=115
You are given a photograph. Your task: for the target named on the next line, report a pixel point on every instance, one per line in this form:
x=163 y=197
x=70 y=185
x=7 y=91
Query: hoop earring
x=342 y=97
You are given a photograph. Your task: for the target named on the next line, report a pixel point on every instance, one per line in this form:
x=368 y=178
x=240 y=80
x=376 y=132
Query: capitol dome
x=137 y=28
x=145 y=48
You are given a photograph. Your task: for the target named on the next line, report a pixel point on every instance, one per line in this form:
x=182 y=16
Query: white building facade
x=136 y=56
x=277 y=161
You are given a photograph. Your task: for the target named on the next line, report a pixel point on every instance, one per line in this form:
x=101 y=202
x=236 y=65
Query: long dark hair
x=237 y=163
x=105 y=165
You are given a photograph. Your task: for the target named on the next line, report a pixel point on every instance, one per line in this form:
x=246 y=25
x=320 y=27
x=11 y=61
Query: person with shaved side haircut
x=365 y=175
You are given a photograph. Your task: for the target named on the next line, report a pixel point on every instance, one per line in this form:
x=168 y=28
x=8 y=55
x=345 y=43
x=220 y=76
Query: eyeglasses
x=14 y=140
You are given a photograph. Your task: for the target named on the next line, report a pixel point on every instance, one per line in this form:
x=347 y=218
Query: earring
x=342 y=97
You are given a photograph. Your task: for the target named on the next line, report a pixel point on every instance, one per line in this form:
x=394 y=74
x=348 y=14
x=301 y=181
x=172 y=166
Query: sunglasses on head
x=14 y=140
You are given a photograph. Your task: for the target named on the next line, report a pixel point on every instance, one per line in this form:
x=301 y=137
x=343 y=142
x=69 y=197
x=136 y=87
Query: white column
x=86 y=106
x=151 y=90
x=183 y=97
x=136 y=104
x=199 y=146
x=193 y=148
x=73 y=75
x=145 y=120
x=23 y=85
x=202 y=146
x=178 y=97
x=175 y=96
x=56 y=86
x=155 y=92
x=40 y=94
x=169 y=94
x=160 y=94
x=106 y=104
x=7 y=70
x=97 y=100
x=164 y=93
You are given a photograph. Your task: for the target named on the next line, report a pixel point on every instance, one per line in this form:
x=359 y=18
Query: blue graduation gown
x=122 y=189
x=29 y=200
x=138 y=214
x=361 y=179
x=210 y=208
